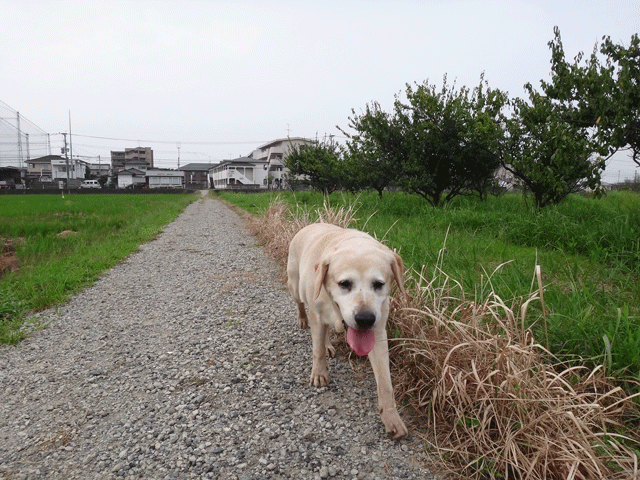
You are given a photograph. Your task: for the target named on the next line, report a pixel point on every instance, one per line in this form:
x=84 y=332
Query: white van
x=90 y=184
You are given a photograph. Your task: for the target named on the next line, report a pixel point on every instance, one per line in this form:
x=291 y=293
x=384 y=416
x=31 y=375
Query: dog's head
x=358 y=278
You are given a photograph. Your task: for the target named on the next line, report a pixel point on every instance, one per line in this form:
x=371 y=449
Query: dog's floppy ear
x=397 y=267
x=321 y=272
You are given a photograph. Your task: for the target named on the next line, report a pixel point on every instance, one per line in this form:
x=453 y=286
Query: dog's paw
x=331 y=351
x=320 y=378
x=393 y=424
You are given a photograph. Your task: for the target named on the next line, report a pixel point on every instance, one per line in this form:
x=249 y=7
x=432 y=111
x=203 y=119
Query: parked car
x=90 y=184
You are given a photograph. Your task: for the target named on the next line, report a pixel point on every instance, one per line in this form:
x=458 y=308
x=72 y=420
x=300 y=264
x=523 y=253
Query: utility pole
x=178 y=145
x=19 y=140
x=65 y=150
x=70 y=152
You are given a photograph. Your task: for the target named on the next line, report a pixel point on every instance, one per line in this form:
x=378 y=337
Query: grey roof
x=282 y=140
x=130 y=171
x=243 y=161
x=46 y=159
x=164 y=173
x=198 y=166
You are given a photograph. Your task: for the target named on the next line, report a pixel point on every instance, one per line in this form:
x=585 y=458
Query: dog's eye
x=345 y=284
x=377 y=285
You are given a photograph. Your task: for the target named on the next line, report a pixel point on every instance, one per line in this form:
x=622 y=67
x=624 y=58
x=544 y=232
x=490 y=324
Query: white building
x=130 y=178
x=165 y=178
x=240 y=173
x=274 y=153
x=77 y=170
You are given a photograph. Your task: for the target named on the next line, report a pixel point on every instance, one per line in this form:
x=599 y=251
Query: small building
x=12 y=177
x=39 y=169
x=240 y=173
x=54 y=171
x=131 y=178
x=99 y=169
x=165 y=179
x=196 y=175
x=77 y=170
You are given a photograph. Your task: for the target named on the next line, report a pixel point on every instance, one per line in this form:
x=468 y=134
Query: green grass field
x=104 y=230
x=588 y=250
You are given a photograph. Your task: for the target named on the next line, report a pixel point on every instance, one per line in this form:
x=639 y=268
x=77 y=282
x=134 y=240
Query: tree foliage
x=551 y=157
x=558 y=140
x=439 y=144
x=601 y=93
x=624 y=63
x=318 y=166
x=372 y=154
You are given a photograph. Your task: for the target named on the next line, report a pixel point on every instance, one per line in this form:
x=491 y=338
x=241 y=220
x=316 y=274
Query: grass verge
x=60 y=245
x=490 y=398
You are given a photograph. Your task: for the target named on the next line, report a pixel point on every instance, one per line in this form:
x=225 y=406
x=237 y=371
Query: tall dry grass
x=489 y=400
x=279 y=224
x=493 y=401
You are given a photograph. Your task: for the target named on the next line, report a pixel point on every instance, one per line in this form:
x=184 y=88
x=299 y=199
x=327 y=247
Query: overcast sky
x=220 y=78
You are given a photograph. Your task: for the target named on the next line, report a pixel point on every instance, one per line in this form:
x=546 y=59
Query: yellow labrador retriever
x=343 y=277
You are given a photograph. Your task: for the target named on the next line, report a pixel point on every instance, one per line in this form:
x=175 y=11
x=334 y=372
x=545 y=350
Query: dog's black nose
x=365 y=319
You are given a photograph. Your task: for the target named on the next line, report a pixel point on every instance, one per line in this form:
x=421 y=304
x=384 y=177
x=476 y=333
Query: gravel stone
x=185 y=361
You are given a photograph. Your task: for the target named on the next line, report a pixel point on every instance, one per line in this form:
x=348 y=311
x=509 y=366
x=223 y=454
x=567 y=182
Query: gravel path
x=185 y=361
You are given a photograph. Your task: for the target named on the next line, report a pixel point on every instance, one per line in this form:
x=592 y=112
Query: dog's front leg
x=303 y=321
x=379 y=358
x=320 y=370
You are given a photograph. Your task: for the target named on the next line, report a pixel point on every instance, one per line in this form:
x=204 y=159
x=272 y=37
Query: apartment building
x=119 y=159
x=240 y=173
x=274 y=153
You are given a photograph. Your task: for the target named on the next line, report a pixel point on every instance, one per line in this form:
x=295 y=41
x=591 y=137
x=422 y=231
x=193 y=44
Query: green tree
x=439 y=144
x=318 y=165
x=601 y=93
x=372 y=154
x=624 y=116
x=551 y=157
x=559 y=139
x=603 y=96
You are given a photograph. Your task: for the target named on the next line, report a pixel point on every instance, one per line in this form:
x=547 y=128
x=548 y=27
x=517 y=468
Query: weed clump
x=494 y=402
x=278 y=225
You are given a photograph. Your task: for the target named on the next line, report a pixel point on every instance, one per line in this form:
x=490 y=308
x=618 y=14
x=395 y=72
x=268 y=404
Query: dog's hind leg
x=331 y=350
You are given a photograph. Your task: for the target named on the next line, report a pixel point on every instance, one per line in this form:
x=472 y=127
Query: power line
x=173 y=142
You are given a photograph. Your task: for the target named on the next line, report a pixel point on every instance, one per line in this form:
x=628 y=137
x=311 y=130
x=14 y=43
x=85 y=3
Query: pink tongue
x=362 y=341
